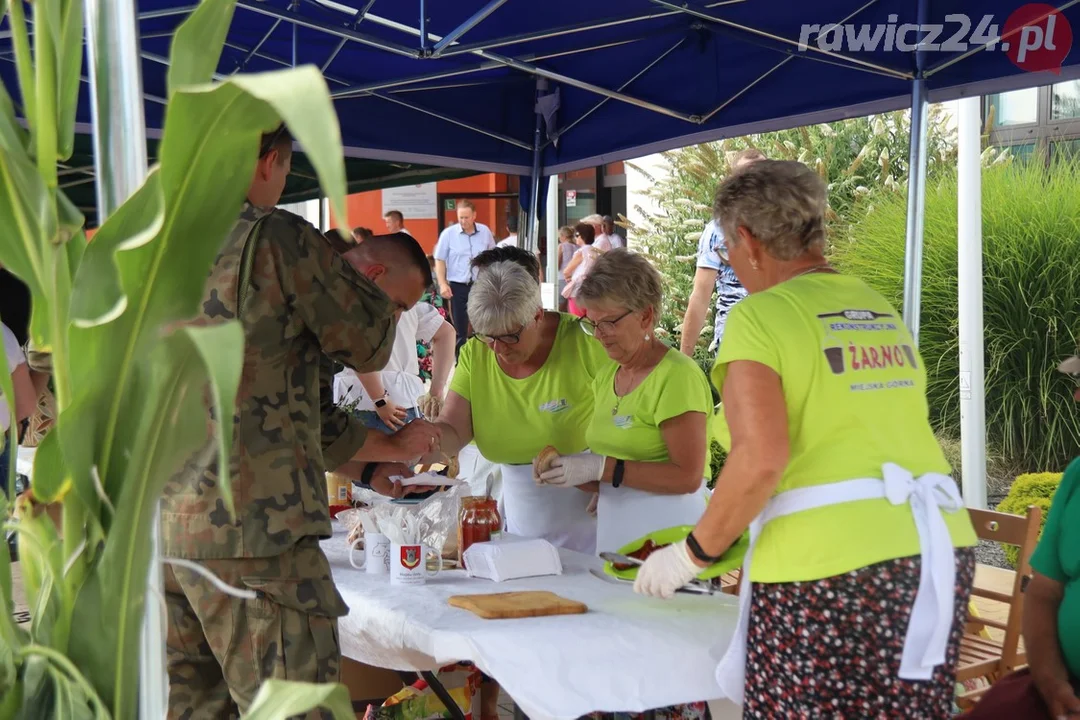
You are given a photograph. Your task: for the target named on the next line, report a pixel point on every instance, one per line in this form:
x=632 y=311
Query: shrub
x=1031 y=489
x=1031 y=291
x=857 y=157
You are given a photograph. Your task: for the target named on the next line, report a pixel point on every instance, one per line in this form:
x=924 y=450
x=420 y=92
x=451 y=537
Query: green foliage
x=1031 y=489
x=857 y=157
x=1031 y=292
x=130 y=379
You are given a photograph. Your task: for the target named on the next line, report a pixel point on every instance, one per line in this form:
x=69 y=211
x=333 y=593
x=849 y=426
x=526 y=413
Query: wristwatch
x=381 y=402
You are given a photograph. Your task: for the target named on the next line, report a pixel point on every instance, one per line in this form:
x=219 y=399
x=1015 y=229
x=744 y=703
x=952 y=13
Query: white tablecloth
x=628 y=653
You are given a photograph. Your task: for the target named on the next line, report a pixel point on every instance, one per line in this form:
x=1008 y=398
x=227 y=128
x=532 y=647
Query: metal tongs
x=696 y=587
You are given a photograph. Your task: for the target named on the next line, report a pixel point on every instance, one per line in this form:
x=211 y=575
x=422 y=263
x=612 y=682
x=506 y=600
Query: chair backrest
x=1023 y=532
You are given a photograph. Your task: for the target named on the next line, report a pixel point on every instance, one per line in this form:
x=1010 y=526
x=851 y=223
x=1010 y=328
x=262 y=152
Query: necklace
x=615 y=383
x=807 y=271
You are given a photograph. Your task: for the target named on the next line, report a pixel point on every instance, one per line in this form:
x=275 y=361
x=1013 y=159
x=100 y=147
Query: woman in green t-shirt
x=522 y=382
x=834 y=467
x=648 y=435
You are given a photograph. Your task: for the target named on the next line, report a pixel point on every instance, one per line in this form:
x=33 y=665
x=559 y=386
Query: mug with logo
x=376 y=558
x=408 y=566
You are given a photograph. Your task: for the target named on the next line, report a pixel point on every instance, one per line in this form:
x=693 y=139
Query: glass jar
x=478 y=521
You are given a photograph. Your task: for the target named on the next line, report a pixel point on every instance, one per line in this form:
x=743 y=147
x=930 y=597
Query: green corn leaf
x=173 y=425
x=51 y=478
x=26 y=219
x=300 y=97
x=196 y=46
x=20 y=41
x=69 y=71
x=222 y=351
x=282 y=699
x=12 y=136
x=98 y=296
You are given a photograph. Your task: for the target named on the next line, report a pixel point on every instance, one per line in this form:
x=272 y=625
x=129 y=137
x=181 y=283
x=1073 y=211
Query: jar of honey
x=338 y=489
x=478 y=521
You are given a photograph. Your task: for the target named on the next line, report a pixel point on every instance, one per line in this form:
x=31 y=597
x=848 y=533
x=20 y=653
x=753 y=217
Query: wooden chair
x=1001 y=653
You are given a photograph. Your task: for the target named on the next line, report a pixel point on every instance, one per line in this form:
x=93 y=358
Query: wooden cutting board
x=518 y=604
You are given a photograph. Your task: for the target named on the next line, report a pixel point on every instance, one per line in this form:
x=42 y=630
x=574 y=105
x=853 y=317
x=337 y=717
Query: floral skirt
x=832 y=647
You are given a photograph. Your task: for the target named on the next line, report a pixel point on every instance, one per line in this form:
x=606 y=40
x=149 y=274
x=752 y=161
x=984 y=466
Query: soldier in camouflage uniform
x=297 y=301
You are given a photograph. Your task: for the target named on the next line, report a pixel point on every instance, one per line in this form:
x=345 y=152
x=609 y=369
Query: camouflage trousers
x=221 y=648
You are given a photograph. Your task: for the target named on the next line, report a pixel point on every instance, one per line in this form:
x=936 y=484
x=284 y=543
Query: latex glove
x=430 y=406
x=665 y=571
x=593 y=502
x=574 y=470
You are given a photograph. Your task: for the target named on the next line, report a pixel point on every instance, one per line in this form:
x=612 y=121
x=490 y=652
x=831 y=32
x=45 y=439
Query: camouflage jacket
x=302 y=301
x=342 y=433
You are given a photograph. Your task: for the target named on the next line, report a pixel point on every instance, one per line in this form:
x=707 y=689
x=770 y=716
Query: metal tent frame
x=113 y=45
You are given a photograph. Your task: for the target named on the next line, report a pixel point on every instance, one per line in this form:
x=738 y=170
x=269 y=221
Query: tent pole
x=552 y=213
x=970 y=287
x=913 y=253
x=120 y=163
x=533 y=239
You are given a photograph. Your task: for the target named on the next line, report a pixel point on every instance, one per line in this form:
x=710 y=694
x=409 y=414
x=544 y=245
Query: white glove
x=430 y=406
x=574 y=470
x=665 y=571
x=594 y=501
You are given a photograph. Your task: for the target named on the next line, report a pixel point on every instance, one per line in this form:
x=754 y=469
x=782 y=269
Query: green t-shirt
x=855 y=390
x=1058 y=558
x=513 y=420
x=632 y=431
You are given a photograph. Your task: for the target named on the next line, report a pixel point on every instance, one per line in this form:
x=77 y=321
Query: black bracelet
x=367 y=473
x=617 y=473
x=696 y=551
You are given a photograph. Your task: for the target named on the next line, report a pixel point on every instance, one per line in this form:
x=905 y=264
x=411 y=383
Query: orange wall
x=365 y=209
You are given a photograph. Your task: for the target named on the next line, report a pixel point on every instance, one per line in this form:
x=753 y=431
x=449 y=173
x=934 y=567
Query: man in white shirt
x=511 y=239
x=601 y=241
x=25 y=401
x=608 y=227
x=454 y=252
x=389 y=399
x=395 y=222
x=713 y=272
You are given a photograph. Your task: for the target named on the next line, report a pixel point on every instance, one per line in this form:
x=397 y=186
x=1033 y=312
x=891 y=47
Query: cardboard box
x=368 y=685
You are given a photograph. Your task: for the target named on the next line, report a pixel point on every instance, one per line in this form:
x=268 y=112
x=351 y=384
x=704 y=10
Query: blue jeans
x=372 y=421
x=5 y=461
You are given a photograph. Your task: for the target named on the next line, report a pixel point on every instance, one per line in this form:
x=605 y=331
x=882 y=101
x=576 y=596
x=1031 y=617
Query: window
x=1022 y=153
x=1019 y=107
x=1065 y=100
x=1065 y=151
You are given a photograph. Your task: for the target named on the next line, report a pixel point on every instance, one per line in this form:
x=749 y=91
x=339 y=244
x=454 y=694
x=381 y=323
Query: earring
x=754 y=265
x=648 y=337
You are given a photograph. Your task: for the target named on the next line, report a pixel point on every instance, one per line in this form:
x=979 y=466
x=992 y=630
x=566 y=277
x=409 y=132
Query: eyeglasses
x=508 y=339
x=604 y=327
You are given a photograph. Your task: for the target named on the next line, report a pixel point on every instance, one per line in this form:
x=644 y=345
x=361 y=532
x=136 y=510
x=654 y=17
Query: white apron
x=932 y=613
x=625 y=514
x=556 y=514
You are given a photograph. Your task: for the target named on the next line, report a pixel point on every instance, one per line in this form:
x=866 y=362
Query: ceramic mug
x=376 y=558
x=408 y=563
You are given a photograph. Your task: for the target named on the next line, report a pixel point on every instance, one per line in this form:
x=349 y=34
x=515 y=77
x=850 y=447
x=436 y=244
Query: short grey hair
x=625 y=279
x=780 y=202
x=503 y=298
x=592 y=219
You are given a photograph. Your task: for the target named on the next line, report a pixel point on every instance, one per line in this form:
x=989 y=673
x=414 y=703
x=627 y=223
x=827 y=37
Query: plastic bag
x=419 y=702
x=436 y=517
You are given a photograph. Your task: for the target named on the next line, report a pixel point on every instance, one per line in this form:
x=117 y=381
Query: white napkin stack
x=510 y=558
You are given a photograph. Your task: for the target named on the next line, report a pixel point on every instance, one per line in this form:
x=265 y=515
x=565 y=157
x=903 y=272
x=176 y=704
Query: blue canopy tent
x=535 y=89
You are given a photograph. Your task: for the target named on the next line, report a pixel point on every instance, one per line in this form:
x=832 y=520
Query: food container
x=338 y=492
x=478 y=521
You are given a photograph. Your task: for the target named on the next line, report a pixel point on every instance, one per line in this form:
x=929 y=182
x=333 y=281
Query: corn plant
x=1031 y=301
x=131 y=379
x=857 y=158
